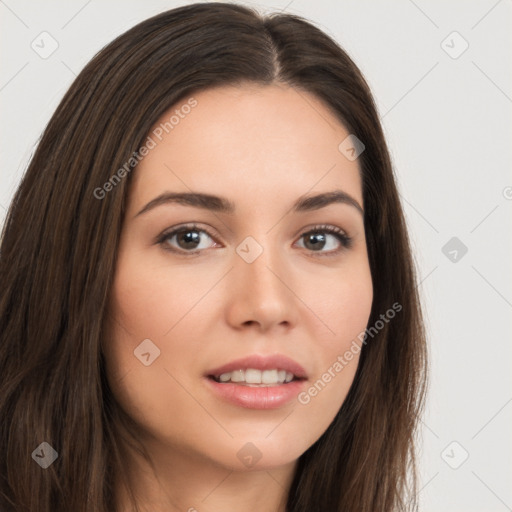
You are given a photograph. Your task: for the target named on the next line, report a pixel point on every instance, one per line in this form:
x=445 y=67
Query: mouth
x=258 y=382
x=254 y=377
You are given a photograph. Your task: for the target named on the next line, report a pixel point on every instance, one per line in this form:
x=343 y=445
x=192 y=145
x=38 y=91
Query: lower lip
x=257 y=397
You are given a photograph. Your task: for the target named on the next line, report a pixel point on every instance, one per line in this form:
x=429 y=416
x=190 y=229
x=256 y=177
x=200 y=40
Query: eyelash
x=345 y=241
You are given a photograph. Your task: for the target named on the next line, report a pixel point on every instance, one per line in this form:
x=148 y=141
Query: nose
x=261 y=293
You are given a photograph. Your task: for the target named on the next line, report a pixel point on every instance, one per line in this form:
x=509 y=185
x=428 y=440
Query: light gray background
x=448 y=123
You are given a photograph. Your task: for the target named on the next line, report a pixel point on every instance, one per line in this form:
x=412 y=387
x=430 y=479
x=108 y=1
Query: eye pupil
x=317 y=239
x=188 y=238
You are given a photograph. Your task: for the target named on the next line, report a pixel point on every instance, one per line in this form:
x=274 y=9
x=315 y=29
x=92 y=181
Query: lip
x=258 y=397
x=261 y=362
x=269 y=397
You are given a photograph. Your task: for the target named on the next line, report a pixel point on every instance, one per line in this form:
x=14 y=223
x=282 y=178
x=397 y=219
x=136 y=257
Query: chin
x=254 y=453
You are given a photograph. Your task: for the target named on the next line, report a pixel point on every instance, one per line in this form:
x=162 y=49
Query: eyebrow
x=223 y=205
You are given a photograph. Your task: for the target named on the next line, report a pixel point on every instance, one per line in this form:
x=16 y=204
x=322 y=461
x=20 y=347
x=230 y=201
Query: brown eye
x=184 y=239
x=317 y=239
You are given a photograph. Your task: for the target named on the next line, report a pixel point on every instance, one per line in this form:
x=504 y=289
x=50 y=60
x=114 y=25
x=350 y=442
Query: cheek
x=345 y=314
x=350 y=310
x=136 y=314
x=143 y=309
x=149 y=302
x=152 y=300
x=343 y=303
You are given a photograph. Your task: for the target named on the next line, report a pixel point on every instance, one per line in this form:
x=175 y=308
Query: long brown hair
x=58 y=255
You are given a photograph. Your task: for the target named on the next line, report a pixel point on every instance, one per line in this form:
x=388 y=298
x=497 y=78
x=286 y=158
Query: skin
x=262 y=147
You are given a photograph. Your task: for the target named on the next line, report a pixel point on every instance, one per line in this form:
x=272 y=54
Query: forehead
x=255 y=141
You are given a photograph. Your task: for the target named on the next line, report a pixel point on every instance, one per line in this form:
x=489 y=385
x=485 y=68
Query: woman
x=209 y=298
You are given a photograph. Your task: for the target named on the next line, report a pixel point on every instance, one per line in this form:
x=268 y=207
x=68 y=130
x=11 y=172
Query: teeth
x=253 y=376
x=269 y=377
x=237 y=376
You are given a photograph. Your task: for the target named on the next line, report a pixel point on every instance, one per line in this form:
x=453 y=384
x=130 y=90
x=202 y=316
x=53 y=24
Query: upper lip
x=261 y=362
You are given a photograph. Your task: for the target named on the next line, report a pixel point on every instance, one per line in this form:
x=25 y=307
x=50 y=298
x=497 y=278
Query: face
x=197 y=288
